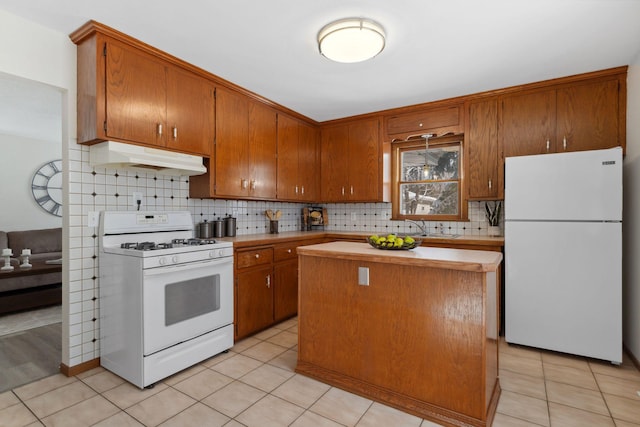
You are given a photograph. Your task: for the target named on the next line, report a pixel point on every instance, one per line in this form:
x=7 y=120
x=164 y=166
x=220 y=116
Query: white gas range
x=166 y=298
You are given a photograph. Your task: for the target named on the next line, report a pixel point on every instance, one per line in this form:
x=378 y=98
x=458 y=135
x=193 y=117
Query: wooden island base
x=421 y=336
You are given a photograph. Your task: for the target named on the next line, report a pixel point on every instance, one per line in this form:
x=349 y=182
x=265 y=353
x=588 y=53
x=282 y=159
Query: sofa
x=34 y=290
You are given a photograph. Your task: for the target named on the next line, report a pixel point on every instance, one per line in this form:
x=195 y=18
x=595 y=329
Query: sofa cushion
x=39 y=241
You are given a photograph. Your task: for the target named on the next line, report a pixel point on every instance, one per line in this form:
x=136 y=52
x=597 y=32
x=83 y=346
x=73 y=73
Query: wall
x=37 y=53
x=21 y=157
x=630 y=225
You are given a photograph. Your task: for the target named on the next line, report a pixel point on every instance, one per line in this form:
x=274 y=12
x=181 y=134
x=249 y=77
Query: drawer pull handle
x=288 y=251
x=548 y=145
x=175 y=133
x=257 y=256
x=489 y=184
x=160 y=129
x=268 y=280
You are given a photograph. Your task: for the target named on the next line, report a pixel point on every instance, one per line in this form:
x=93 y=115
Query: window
x=427 y=179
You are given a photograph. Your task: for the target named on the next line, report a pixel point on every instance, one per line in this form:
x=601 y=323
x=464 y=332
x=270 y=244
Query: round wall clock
x=46 y=187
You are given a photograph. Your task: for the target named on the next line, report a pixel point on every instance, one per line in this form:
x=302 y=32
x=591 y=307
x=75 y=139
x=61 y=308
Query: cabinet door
x=254 y=300
x=483 y=155
x=363 y=164
x=285 y=291
x=232 y=142
x=588 y=116
x=190 y=112
x=308 y=165
x=334 y=163
x=528 y=123
x=288 y=147
x=135 y=95
x=433 y=120
x=262 y=151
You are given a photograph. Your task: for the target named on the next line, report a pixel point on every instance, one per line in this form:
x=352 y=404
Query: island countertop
x=453 y=259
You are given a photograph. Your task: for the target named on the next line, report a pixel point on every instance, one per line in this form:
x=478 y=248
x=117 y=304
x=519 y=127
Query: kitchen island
x=417 y=330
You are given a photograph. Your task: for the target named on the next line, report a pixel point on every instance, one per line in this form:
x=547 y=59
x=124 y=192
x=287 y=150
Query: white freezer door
x=580 y=186
x=563 y=287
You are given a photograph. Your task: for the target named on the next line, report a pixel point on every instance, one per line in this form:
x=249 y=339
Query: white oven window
x=187 y=299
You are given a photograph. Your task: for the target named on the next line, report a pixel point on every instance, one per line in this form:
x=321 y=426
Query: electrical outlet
x=135 y=196
x=92 y=220
x=354 y=216
x=363 y=276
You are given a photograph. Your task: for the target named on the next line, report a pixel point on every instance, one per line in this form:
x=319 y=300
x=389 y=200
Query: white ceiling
x=435 y=49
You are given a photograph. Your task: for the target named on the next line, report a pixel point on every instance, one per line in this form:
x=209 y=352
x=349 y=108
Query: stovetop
x=174 y=243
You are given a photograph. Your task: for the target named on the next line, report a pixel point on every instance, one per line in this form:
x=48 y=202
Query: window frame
x=397 y=148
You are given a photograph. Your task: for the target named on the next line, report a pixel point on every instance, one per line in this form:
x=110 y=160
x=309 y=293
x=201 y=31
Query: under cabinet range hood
x=118 y=155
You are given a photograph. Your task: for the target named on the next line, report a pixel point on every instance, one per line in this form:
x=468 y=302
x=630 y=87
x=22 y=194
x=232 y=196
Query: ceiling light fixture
x=351 y=40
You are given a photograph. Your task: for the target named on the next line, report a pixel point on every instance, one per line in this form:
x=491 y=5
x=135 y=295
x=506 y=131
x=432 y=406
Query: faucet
x=422 y=226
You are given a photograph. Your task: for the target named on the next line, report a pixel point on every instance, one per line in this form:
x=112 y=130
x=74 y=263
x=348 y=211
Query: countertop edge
x=248 y=240
x=444 y=258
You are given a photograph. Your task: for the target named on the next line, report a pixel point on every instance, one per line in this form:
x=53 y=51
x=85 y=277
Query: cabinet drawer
x=285 y=251
x=253 y=257
x=424 y=120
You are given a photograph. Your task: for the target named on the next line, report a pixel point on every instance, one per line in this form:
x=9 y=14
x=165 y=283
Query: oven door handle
x=188 y=266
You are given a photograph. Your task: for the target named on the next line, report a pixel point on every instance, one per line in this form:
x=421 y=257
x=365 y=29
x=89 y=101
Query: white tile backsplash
x=105 y=189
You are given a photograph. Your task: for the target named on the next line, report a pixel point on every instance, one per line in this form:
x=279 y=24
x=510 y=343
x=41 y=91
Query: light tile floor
x=255 y=385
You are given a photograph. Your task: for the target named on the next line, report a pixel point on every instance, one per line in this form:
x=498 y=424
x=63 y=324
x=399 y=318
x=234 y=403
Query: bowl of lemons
x=393 y=242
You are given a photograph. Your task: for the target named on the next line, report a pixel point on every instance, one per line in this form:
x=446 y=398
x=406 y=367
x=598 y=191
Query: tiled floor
x=255 y=385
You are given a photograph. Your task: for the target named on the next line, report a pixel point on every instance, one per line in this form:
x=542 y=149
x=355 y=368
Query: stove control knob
x=162 y=261
x=220 y=252
x=174 y=259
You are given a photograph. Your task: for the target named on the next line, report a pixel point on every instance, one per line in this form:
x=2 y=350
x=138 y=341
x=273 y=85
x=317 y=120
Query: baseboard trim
x=71 y=371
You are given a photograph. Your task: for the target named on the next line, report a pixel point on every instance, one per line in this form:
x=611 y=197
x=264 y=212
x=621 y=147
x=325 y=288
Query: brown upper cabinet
x=298 y=160
x=483 y=157
x=351 y=162
x=128 y=95
x=582 y=115
x=255 y=149
x=190 y=112
x=428 y=120
x=245 y=151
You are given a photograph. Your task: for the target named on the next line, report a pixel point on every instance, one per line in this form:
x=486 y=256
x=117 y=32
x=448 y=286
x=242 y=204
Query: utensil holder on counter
x=273 y=227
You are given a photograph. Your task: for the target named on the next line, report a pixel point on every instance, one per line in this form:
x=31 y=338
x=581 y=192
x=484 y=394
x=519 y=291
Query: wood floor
x=29 y=355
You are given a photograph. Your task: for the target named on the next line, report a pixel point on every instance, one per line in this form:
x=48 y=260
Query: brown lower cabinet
x=266 y=285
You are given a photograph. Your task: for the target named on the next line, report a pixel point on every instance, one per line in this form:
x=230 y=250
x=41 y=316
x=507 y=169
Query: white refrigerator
x=563 y=252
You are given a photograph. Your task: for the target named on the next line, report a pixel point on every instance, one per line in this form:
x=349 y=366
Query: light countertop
x=452 y=259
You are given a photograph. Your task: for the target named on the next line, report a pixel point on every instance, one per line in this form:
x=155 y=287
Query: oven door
x=184 y=301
